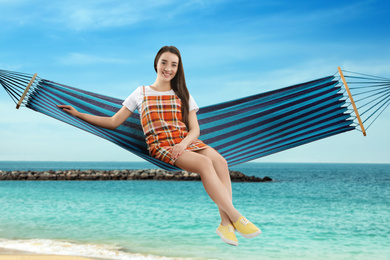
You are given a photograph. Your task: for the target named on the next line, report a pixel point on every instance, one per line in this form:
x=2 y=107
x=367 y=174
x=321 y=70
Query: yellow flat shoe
x=246 y=228
x=227 y=234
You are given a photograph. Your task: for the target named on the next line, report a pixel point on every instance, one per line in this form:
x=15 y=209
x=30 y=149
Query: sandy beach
x=40 y=257
x=8 y=254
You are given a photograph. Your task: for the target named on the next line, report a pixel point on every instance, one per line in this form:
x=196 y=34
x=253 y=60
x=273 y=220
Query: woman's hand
x=178 y=150
x=69 y=109
x=191 y=137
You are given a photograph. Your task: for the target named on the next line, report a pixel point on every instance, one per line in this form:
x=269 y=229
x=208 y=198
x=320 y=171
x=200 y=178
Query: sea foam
x=58 y=247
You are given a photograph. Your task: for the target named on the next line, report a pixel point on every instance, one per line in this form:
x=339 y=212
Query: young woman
x=168 y=117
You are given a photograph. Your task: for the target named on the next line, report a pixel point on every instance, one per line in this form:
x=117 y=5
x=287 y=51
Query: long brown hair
x=178 y=83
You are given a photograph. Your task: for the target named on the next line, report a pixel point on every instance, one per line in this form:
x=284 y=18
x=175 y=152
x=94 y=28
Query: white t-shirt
x=134 y=101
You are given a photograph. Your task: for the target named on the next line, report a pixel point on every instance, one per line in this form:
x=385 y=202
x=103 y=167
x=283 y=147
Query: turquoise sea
x=309 y=211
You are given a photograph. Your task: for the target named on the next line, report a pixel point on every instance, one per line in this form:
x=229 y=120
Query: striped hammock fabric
x=241 y=130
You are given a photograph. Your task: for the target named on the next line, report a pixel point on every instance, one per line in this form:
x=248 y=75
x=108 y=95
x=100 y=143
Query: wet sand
x=10 y=254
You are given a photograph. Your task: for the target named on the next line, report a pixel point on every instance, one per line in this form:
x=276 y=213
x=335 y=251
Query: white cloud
x=11 y=67
x=86 y=15
x=100 y=16
x=374 y=67
x=95 y=14
x=77 y=15
x=86 y=59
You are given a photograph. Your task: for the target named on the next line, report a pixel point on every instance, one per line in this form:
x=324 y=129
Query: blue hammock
x=241 y=130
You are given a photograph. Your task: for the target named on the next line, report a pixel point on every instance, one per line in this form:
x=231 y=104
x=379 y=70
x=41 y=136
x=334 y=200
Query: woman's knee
x=205 y=164
x=214 y=155
x=193 y=162
x=217 y=158
x=222 y=160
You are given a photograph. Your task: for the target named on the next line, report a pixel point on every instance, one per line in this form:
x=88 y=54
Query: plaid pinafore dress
x=161 y=121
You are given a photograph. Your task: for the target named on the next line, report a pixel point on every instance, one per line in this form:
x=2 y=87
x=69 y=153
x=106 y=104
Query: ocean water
x=309 y=211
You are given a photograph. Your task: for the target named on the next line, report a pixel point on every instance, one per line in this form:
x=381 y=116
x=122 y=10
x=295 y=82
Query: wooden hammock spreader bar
x=352 y=101
x=26 y=90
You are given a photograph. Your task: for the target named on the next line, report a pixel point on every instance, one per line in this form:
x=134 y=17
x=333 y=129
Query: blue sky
x=230 y=49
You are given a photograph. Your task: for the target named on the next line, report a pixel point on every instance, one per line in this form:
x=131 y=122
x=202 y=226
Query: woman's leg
x=201 y=164
x=221 y=167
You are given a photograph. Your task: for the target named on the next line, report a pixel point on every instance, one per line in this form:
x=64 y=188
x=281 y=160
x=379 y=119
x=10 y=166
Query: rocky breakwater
x=150 y=174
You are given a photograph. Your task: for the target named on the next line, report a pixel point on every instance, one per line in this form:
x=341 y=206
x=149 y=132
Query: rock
x=144 y=175
x=159 y=176
x=152 y=174
x=168 y=176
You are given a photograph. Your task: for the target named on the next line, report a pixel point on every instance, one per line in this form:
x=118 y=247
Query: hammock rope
x=241 y=130
x=373 y=94
x=15 y=83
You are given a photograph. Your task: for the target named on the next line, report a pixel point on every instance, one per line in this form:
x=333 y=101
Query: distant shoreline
x=101 y=175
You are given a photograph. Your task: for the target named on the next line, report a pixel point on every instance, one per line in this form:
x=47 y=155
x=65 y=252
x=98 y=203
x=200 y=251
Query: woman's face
x=167 y=66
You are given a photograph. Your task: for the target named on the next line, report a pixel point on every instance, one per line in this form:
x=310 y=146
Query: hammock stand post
x=26 y=90
x=352 y=101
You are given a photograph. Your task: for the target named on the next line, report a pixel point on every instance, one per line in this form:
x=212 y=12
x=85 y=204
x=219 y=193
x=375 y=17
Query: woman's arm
x=193 y=129
x=192 y=136
x=101 y=121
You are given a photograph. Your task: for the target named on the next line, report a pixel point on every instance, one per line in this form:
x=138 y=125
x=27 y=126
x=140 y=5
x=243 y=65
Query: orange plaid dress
x=161 y=121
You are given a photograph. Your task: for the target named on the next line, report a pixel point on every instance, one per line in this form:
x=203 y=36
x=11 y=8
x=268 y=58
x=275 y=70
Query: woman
x=168 y=117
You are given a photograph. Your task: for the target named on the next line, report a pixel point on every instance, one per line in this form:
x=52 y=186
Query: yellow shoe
x=246 y=228
x=227 y=234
